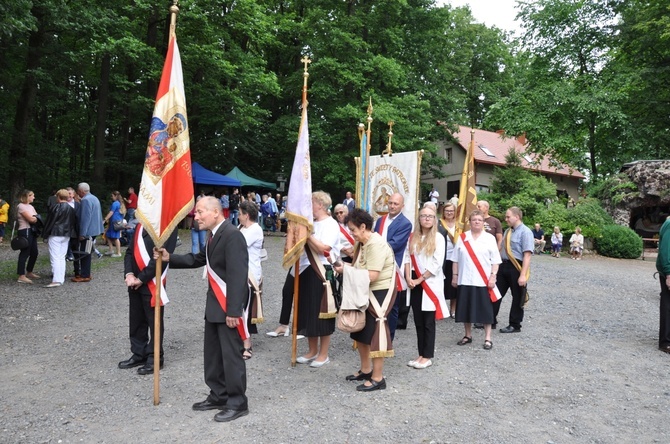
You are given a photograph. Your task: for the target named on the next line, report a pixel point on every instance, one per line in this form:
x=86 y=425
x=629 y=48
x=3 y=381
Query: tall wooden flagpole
x=300 y=223
x=159 y=267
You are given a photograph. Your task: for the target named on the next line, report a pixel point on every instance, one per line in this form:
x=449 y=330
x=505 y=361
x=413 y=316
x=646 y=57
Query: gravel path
x=585 y=368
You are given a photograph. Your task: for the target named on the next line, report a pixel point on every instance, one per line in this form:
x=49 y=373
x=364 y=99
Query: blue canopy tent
x=250 y=181
x=203 y=176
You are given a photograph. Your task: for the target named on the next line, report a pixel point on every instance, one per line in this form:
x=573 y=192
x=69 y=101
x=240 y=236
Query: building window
x=486 y=151
x=447 y=155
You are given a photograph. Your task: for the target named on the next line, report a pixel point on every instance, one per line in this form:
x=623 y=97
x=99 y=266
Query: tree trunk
x=18 y=150
x=101 y=124
x=592 y=148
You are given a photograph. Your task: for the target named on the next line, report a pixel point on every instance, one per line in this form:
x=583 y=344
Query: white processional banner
x=398 y=173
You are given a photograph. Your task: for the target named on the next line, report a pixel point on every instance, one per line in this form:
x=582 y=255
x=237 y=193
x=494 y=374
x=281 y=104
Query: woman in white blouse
x=475 y=266
x=253 y=234
x=447 y=228
x=423 y=270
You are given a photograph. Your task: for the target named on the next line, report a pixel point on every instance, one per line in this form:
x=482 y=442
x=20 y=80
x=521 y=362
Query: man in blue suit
x=89 y=220
x=396 y=228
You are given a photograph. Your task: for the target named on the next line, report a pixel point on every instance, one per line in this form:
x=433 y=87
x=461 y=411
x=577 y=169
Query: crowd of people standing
x=399 y=265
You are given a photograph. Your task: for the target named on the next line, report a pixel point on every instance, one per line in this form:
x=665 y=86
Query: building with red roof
x=490 y=151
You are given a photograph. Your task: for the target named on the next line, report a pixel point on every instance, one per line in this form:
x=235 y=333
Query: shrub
x=618 y=241
x=590 y=216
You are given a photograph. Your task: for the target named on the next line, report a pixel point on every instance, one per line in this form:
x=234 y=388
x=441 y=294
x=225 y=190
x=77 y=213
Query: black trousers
x=27 y=254
x=141 y=326
x=424 y=321
x=508 y=279
x=664 y=324
x=225 y=368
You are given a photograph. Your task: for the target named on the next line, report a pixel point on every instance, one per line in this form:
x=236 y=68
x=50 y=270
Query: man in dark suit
x=227 y=270
x=396 y=228
x=140 y=273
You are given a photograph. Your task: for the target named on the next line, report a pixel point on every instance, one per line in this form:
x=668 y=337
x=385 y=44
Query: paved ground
x=585 y=368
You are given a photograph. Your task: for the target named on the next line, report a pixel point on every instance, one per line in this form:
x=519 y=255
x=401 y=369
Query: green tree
x=643 y=57
x=568 y=99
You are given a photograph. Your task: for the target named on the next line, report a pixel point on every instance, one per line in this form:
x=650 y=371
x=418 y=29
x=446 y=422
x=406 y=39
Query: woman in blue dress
x=116 y=212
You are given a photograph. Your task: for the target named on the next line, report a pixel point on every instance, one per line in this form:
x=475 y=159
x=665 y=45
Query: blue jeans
x=198 y=239
x=233 y=217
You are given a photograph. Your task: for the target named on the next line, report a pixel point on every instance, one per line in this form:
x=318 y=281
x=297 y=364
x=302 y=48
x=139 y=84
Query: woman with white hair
x=346 y=240
x=316 y=309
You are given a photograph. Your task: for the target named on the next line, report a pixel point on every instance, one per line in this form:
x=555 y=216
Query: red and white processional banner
x=166 y=191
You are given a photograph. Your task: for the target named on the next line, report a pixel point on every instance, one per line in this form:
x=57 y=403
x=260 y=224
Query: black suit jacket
x=229 y=259
x=130 y=265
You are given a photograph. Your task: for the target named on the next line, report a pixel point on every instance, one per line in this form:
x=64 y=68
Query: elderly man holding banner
x=226 y=260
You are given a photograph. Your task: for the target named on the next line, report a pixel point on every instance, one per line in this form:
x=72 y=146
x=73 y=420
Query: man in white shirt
x=434 y=196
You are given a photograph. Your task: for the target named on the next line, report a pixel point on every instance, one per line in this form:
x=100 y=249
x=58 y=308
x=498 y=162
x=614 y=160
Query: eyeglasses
x=339 y=212
x=448 y=211
x=426 y=216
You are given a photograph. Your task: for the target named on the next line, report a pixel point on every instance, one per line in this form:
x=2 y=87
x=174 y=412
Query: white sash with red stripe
x=142 y=259
x=439 y=303
x=219 y=288
x=494 y=293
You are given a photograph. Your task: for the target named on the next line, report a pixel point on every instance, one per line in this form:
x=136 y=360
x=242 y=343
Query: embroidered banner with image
x=399 y=173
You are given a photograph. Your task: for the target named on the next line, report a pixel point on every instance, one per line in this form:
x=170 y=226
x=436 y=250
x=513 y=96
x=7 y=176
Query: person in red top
x=131 y=204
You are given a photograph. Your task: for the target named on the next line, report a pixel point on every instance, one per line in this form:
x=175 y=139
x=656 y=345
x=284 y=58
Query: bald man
x=227 y=263
x=492 y=225
x=396 y=228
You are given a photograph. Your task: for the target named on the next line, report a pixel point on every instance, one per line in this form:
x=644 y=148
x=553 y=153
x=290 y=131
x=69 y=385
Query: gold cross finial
x=306 y=61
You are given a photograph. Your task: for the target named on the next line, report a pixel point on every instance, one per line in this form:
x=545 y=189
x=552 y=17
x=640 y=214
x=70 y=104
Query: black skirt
x=365 y=336
x=449 y=290
x=309 y=306
x=474 y=305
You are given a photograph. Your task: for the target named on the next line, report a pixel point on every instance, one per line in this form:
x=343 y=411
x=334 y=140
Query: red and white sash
x=440 y=305
x=347 y=235
x=382 y=222
x=219 y=288
x=494 y=293
x=142 y=259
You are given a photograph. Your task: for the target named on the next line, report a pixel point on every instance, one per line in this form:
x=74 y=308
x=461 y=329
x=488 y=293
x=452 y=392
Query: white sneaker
x=426 y=364
x=317 y=364
x=116 y=255
x=304 y=360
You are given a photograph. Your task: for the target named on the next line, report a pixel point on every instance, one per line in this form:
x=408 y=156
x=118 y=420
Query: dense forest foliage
x=588 y=81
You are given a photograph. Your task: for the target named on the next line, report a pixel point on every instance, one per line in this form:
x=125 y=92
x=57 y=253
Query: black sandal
x=247 y=353
x=465 y=340
x=360 y=376
x=488 y=345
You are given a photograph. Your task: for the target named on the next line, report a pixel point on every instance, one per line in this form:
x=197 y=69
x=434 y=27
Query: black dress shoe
x=132 y=362
x=147 y=369
x=376 y=385
x=207 y=405
x=359 y=377
x=230 y=415
x=510 y=329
